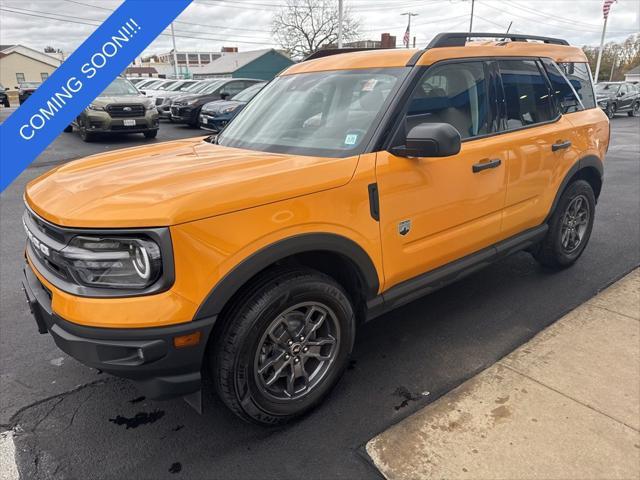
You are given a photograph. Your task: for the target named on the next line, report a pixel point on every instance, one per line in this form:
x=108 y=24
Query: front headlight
x=229 y=109
x=113 y=262
x=150 y=103
x=193 y=102
x=93 y=106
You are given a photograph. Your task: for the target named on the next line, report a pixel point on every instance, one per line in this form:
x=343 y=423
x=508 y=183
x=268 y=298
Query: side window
x=623 y=89
x=563 y=95
x=454 y=94
x=580 y=77
x=20 y=78
x=232 y=88
x=526 y=94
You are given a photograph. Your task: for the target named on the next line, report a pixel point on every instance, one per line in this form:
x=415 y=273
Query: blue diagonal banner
x=80 y=79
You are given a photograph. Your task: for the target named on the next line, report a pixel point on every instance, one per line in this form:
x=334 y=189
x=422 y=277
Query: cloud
x=208 y=25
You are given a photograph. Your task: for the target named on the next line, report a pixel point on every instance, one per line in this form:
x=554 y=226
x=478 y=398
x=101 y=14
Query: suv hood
x=102 y=101
x=176 y=182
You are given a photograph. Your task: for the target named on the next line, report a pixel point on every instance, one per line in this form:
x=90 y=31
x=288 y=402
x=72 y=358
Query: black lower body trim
x=426 y=283
x=145 y=355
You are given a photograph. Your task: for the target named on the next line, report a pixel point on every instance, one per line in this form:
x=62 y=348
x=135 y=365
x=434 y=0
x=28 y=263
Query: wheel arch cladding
x=590 y=169
x=328 y=253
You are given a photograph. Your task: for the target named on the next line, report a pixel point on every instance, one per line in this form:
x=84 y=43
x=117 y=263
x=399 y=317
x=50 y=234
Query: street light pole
x=473 y=2
x=175 y=54
x=340 y=14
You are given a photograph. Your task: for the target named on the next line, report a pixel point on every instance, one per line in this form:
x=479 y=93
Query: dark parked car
x=4 y=98
x=618 y=97
x=25 y=89
x=163 y=98
x=186 y=108
x=120 y=108
x=216 y=115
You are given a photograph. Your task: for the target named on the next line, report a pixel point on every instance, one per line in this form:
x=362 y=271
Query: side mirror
x=143 y=92
x=224 y=95
x=430 y=140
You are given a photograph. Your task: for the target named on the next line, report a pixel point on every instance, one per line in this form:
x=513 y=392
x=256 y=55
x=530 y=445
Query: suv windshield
x=607 y=87
x=118 y=87
x=212 y=87
x=248 y=93
x=321 y=113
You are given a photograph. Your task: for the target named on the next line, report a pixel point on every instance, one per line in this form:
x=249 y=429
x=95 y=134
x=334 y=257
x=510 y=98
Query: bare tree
x=303 y=26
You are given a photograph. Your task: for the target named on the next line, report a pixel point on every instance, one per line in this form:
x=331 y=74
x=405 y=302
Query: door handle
x=560 y=145
x=478 y=167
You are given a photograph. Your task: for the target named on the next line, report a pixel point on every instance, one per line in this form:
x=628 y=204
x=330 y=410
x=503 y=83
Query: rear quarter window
x=563 y=95
x=580 y=77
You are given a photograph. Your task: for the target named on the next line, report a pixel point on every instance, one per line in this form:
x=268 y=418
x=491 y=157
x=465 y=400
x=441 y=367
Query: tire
x=266 y=329
x=567 y=238
x=635 y=110
x=68 y=129
x=151 y=134
x=611 y=110
x=84 y=135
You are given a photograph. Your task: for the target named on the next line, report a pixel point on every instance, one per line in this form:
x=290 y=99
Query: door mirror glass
x=430 y=140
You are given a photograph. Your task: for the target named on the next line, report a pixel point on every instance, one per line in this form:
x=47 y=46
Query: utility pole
x=340 y=15
x=473 y=2
x=407 y=35
x=175 y=54
x=613 y=67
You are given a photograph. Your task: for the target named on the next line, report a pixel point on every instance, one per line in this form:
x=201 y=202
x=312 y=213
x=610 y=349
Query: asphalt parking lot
x=70 y=421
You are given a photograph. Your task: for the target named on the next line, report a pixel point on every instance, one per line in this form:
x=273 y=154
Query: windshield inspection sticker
x=351 y=139
x=369 y=85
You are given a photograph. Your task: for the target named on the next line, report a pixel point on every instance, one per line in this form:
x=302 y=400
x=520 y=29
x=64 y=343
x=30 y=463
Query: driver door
x=436 y=210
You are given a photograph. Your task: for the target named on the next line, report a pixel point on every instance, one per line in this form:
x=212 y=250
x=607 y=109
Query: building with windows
x=23 y=64
x=261 y=64
x=633 y=75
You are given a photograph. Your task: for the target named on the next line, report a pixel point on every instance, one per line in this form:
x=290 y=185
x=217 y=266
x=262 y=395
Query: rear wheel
x=569 y=227
x=635 y=110
x=284 y=345
x=611 y=110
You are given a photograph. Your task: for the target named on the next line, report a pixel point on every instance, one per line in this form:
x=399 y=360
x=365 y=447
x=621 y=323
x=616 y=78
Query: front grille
x=121 y=110
x=45 y=244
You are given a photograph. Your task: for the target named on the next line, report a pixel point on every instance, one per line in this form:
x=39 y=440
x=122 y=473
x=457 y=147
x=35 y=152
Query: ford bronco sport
x=350 y=185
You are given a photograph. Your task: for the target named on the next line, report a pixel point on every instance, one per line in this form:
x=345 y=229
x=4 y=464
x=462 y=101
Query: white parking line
x=8 y=467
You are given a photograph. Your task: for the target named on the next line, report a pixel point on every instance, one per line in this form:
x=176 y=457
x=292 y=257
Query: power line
x=85 y=21
x=177 y=21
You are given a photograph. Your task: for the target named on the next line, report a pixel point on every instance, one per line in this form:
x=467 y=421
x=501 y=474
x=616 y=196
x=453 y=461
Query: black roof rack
x=459 y=39
x=327 y=52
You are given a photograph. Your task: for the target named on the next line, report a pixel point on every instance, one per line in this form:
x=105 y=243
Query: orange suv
x=350 y=185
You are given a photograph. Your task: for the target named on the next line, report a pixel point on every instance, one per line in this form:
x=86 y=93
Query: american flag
x=405 y=39
x=606 y=6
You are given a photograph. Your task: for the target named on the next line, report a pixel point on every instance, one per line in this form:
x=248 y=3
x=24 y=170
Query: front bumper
x=214 y=124
x=101 y=122
x=184 y=114
x=145 y=355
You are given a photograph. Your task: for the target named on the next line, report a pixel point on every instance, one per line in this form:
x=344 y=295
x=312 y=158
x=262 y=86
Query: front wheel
x=284 y=345
x=151 y=134
x=635 y=111
x=611 y=110
x=569 y=227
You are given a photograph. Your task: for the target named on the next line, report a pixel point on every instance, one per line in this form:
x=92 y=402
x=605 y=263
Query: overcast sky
x=246 y=24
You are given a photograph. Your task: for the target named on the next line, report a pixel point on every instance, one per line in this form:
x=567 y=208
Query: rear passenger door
x=540 y=144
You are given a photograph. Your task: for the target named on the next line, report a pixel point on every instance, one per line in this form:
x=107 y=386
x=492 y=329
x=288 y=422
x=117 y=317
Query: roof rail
x=327 y=52
x=459 y=39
